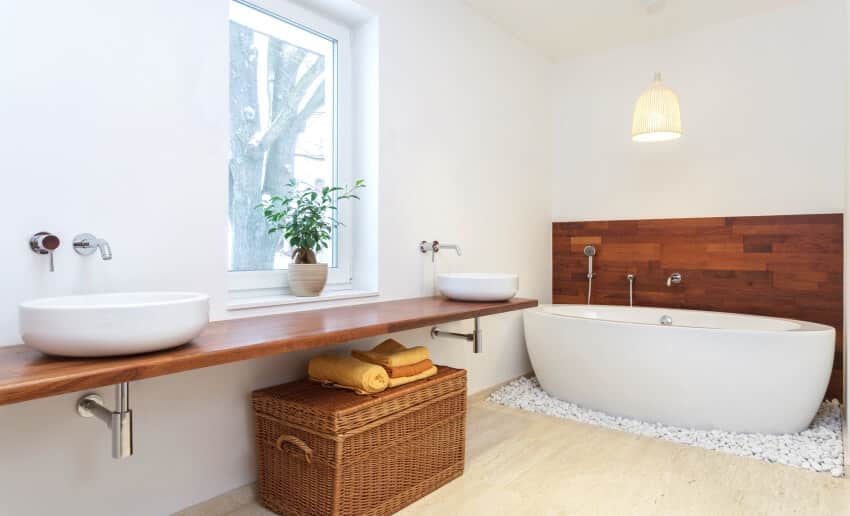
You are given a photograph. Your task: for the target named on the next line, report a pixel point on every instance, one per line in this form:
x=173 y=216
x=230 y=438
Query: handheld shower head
x=590 y=252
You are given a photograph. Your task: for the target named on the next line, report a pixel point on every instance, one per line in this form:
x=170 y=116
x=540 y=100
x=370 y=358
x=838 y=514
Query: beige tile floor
x=524 y=463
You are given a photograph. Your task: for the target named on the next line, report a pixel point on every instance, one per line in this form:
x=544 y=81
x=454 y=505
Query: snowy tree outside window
x=282 y=125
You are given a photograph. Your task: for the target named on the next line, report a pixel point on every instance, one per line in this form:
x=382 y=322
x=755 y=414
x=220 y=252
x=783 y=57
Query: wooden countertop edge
x=124 y=369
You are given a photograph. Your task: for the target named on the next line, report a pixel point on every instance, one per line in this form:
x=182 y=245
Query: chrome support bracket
x=476 y=337
x=119 y=421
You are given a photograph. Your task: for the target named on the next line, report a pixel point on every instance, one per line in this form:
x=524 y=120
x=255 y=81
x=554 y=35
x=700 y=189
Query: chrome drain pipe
x=476 y=337
x=119 y=421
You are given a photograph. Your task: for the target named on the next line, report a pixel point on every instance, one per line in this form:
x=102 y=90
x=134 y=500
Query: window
x=288 y=100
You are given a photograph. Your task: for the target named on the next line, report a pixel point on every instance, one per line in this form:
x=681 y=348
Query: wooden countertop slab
x=27 y=374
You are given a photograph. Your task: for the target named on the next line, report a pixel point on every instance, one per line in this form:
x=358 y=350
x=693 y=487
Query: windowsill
x=283 y=300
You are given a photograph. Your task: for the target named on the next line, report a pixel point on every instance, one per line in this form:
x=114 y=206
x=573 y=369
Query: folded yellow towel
x=409 y=370
x=391 y=353
x=349 y=373
x=395 y=382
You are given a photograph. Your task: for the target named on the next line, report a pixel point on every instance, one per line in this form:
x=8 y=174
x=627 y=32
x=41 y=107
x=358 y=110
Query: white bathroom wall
x=763 y=102
x=113 y=120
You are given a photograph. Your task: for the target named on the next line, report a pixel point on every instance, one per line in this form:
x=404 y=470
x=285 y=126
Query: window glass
x=282 y=126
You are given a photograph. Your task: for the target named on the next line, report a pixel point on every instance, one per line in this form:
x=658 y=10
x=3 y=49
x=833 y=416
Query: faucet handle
x=45 y=243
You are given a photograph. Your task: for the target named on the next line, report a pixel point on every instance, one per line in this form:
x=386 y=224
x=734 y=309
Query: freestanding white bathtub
x=706 y=370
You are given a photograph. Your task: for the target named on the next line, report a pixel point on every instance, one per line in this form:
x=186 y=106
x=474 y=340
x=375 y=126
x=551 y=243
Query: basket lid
x=331 y=409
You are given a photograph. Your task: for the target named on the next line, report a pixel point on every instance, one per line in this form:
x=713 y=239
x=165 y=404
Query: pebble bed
x=818 y=448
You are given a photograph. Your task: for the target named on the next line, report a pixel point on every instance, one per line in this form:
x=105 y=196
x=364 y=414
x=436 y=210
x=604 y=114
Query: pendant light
x=657 y=117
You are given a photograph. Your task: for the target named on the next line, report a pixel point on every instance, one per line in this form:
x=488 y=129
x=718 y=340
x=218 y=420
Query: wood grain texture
x=27 y=374
x=783 y=266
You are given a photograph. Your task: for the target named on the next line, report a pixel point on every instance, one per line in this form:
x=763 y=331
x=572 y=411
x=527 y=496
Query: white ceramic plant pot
x=307 y=279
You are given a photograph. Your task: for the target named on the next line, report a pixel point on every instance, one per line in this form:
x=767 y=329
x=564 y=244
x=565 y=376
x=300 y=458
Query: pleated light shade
x=657 y=117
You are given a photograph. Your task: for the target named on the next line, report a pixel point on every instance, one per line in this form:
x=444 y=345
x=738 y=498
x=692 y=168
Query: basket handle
x=298 y=443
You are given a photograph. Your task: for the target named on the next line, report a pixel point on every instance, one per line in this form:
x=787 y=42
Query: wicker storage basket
x=329 y=451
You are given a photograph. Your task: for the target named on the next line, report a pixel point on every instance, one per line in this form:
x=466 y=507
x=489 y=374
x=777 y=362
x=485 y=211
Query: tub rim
x=804 y=326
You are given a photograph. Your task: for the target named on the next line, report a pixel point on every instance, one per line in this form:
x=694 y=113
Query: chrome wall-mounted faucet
x=85 y=244
x=45 y=243
x=435 y=246
x=674 y=279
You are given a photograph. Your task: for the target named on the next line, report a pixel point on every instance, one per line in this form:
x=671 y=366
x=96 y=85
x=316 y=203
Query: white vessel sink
x=467 y=286
x=99 y=325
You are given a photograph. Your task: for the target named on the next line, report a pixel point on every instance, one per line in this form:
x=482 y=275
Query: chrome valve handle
x=45 y=243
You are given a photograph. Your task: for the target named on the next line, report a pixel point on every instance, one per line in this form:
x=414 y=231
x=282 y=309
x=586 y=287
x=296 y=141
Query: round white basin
x=467 y=286
x=98 y=325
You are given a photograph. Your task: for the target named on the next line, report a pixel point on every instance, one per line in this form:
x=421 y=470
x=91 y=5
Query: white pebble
x=818 y=448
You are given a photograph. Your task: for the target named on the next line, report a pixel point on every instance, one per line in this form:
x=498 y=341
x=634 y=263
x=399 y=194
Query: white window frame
x=253 y=284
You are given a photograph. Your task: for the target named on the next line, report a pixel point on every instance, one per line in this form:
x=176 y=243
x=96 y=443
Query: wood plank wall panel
x=783 y=266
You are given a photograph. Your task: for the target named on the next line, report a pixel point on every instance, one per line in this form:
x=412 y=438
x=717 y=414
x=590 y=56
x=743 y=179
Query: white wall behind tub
x=113 y=120
x=763 y=102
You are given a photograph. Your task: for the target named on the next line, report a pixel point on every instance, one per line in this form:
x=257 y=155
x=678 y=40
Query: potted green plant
x=306 y=218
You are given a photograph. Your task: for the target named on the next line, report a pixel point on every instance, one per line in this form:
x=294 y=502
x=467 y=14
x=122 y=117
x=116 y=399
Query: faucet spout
x=435 y=246
x=456 y=247
x=105 y=249
x=86 y=244
x=674 y=279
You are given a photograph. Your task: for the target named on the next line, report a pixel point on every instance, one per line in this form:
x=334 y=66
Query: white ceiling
x=561 y=29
